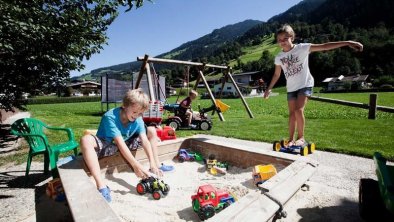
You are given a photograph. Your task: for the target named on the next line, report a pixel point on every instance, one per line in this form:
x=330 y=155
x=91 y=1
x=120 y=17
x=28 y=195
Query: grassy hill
x=253 y=53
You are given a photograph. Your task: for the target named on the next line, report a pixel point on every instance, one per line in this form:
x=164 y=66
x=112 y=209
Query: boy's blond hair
x=193 y=92
x=136 y=96
x=286 y=28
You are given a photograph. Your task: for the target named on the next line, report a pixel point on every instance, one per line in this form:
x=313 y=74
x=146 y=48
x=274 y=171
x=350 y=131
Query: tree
x=41 y=41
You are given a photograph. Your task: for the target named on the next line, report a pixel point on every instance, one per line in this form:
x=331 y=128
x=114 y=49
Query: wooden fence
x=372 y=106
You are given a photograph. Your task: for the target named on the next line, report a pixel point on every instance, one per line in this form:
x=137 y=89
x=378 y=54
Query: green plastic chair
x=33 y=130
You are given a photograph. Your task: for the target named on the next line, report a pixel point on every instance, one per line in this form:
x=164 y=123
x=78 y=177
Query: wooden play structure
x=201 y=66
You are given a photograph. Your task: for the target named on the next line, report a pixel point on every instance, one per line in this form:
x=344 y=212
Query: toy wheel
x=284 y=143
x=311 y=148
x=166 y=189
x=174 y=124
x=370 y=203
x=276 y=146
x=141 y=188
x=228 y=203
x=181 y=159
x=192 y=158
x=304 y=151
x=205 y=125
x=206 y=212
x=196 y=205
x=156 y=195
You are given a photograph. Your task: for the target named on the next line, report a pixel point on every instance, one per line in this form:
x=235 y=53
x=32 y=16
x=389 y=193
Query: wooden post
x=152 y=96
x=372 y=106
x=221 y=89
x=240 y=94
x=106 y=90
x=210 y=94
x=141 y=73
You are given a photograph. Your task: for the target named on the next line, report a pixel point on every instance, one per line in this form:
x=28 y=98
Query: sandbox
x=86 y=204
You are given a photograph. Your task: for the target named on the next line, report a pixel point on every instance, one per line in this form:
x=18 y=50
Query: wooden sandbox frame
x=86 y=204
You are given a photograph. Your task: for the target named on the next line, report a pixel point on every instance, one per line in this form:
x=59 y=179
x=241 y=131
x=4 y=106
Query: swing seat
x=221 y=105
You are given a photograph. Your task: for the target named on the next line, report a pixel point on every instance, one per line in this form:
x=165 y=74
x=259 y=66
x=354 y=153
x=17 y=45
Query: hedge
x=53 y=100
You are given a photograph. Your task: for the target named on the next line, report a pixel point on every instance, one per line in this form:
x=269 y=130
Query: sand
x=176 y=206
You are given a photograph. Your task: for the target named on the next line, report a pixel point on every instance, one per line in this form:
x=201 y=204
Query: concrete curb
x=10 y=120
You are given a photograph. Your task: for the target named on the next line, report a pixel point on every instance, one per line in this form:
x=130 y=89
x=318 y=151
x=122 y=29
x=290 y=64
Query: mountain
x=207 y=44
x=243 y=44
x=300 y=12
x=197 y=48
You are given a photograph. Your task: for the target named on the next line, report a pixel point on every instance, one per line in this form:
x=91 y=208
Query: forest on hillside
x=377 y=59
x=367 y=21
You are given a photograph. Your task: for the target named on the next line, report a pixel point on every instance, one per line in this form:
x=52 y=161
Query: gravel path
x=332 y=194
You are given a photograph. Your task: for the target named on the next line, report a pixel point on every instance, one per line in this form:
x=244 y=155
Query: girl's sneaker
x=300 y=142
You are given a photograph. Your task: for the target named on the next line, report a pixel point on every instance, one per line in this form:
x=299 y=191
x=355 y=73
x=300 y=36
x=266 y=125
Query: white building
x=245 y=83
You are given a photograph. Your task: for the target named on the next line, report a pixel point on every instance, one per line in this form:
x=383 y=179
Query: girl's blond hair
x=136 y=97
x=286 y=28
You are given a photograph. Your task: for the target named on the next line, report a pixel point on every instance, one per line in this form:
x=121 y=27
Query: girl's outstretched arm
x=334 y=45
x=275 y=78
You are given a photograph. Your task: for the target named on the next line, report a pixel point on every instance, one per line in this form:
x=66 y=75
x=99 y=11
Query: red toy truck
x=208 y=200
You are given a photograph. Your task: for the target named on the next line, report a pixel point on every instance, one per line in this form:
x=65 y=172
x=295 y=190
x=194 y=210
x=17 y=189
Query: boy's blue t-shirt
x=111 y=126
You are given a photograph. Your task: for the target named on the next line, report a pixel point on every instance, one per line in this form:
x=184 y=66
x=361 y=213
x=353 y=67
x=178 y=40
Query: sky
x=163 y=25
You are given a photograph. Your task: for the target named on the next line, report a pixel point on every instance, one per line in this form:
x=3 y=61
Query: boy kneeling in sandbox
x=122 y=129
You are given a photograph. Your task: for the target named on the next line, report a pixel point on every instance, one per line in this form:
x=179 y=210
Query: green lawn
x=332 y=127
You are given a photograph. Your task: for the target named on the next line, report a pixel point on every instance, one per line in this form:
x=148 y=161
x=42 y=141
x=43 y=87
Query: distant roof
x=355 y=78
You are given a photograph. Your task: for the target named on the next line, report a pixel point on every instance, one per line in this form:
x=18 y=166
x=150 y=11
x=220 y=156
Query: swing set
x=217 y=105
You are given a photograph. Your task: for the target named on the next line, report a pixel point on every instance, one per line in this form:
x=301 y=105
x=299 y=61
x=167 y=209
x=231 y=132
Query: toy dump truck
x=209 y=200
x=376 y=198
x=262 y=173
x=153 y=185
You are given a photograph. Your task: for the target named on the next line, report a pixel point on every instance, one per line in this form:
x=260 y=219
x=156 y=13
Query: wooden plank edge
x=84 y=201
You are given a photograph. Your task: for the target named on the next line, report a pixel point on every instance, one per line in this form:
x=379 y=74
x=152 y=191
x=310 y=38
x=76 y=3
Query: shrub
x=53 y=100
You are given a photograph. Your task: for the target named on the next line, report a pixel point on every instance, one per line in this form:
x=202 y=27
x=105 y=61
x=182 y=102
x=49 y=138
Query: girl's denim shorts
x=307 y=91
